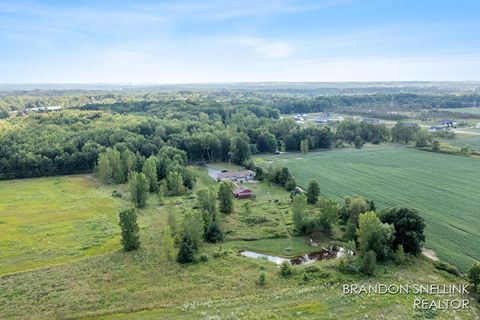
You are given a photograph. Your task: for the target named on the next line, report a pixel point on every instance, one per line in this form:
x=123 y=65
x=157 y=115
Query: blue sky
x=184 y=41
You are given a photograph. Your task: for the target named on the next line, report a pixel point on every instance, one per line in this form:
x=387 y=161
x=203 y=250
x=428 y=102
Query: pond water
x=323 y=254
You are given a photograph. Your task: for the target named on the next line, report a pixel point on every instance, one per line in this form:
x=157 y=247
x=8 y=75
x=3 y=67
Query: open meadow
x=144 y=285
x=443 y=188
x=54 y=220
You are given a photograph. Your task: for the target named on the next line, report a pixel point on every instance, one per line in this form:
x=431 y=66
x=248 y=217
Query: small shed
x=242 y=193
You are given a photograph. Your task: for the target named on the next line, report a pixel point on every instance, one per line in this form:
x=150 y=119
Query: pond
x=324 y=254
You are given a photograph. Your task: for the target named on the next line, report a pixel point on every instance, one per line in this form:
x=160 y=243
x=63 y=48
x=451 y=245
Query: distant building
x=371 y=121
x=244 y=175
x=328 y=119
x=42 y=109
x=298 y=117
x=242 y=193
x=448 y=122
x=434 y=129
x=478 y=125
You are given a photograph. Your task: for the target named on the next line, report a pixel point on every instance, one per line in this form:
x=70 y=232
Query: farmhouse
x=434 y=129
x=328 y=118
x=236 y=175
x=242 y=193
x=448 y=122
x=478 y=125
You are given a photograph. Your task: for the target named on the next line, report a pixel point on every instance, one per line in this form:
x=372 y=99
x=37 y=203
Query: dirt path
x=430 y=254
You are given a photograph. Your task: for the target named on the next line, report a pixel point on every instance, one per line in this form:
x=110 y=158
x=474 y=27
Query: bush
x=442 y=265
x=369 y=263
x=348 y=265
x=286 y=270
x=474 y=275
x=204 y=258
x=261 y=279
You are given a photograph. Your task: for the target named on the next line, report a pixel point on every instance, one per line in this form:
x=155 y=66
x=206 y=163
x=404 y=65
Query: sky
x=186 y=41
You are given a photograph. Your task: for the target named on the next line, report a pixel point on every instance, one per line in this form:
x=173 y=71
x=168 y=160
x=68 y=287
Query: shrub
x=204 y=258
x=369 y=263
x=442 y=265
x=474 y=275
x=286 y=270
x=261 y=279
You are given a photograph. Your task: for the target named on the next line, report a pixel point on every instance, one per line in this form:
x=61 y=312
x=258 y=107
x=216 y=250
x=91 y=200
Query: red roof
x=242 y=191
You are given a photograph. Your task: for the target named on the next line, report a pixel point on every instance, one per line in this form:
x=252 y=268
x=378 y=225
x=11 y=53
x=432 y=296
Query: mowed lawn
x=54 y=220
x=445 y=189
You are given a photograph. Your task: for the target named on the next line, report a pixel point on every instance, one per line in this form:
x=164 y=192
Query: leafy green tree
x=162 y=192
x=409 y=228
x=193 y=229
x=369 y=263
x=129 y=229
x=175 y=183
x=266 y=142
x=328 y=215
x=138 y=185
x=168 y=248
x=104 y=168
x=435 y=146
x=358 y=142
x=225 y=197
x=422 y=139
x=206 y=201
x=118 y=175
x=313 y=192
x=150 y=171
x=299 y=210
x=240 y=150
x=129 y=163
x=374 y=235
x=304 y=146
x=172 y=221
x=474 y=275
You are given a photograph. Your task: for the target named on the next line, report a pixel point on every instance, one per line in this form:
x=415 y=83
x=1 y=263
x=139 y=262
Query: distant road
x=428 y=126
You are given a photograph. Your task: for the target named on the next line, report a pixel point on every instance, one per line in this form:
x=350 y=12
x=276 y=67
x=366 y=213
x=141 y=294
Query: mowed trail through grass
x=445 y=189
x=54 y=220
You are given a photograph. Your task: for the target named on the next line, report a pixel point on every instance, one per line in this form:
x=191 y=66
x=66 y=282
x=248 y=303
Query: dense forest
x=210 y=125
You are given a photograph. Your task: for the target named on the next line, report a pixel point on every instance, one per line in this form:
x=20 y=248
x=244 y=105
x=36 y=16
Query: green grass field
x=443 y=188
x=143 y=285
x=54 y=220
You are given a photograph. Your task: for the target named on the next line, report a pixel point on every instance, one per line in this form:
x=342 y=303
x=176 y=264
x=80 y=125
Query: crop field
x=475 y=111
x=54 y=220
x=443 y=188
x=465 y=140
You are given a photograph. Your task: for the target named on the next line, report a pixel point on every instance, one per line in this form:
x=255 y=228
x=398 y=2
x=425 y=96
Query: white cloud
x=264 y=47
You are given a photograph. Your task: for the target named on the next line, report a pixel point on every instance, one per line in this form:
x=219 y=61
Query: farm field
x=54 y=220
x=144 y=285
x=443 y=188
x=475 y=111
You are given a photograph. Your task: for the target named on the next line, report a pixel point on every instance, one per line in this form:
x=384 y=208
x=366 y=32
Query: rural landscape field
x=442 y=187
x=238 y=159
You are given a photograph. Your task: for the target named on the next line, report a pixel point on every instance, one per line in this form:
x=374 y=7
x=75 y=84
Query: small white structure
x=478 y=125
x=434 y=129
x=298 y=117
